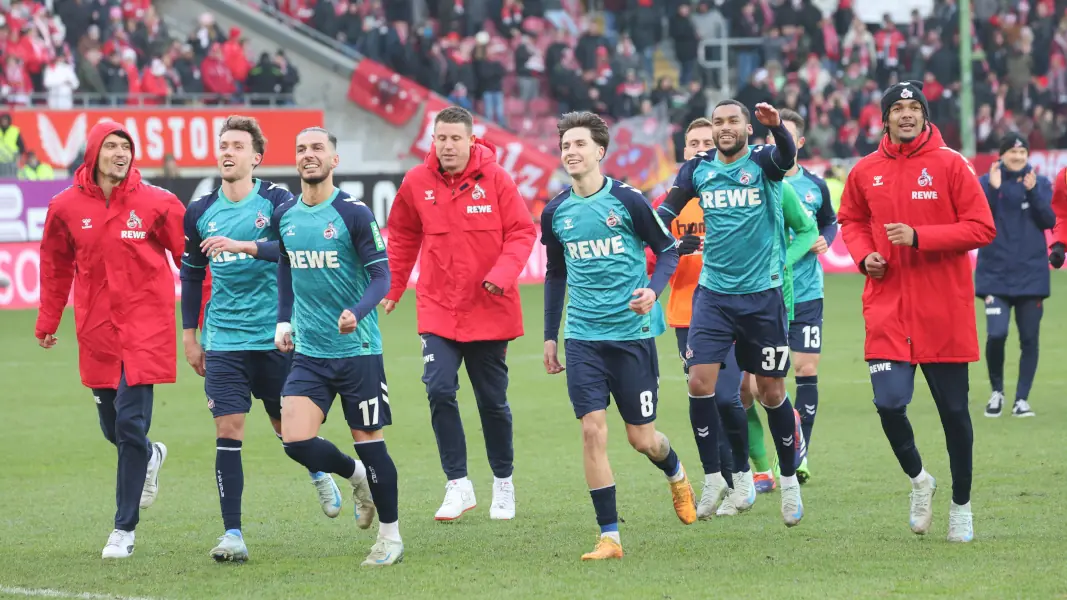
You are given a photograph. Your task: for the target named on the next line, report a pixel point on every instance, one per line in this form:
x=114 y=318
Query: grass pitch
x=57 y=494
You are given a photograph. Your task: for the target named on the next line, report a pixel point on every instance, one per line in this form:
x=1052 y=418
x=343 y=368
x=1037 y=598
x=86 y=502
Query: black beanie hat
x=905 y=90
x=1013 y=140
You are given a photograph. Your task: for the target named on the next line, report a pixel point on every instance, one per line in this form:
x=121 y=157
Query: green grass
x=57 y=495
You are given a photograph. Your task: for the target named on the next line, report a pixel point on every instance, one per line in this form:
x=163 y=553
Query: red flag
x=380 y=90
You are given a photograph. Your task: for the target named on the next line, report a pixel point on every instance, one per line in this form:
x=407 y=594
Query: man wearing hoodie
x=461 y=214
x=117 y=230
x=1012 y=272
x=911 y=212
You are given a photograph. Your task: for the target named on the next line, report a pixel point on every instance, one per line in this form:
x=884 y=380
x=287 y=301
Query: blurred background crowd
x=520 y=63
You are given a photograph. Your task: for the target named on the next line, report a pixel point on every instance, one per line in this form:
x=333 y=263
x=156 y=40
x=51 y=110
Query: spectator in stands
x=646 y=29
x=154 y=87
x=218 y=80
x=490 y=74
x=35 y=170
x=60 y=80
x=133 y=76
x=529 y=66
x=684 y=35
x=11 y=147
x=264 y=79
x=459 y=97
x=188 y=69
x=235 y=55
x=90 y=75
x=115 y=78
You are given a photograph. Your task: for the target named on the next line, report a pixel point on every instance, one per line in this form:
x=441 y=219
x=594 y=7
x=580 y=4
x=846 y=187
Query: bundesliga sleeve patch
x=379 y=244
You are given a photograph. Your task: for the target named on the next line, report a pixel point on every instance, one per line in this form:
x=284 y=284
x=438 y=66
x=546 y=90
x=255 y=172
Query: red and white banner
x=529 y=167
x=382 y=91
x=190 y=135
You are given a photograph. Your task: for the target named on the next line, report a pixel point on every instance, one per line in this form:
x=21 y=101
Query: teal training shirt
x=600 y=242
x=244 y=290
x=743 y=222
x=815 y=197
x=330 y=252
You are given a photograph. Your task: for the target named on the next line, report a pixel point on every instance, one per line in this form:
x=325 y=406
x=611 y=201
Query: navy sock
x=669 y=465
x=381 y=475
x=604 y=505
x=230 y=477
x=898 y=431
x=735 y=430
x=807 y=404
x=318 y=454
x=726 y=463
x=704 y=416
x=783 y=425
x=994 y=359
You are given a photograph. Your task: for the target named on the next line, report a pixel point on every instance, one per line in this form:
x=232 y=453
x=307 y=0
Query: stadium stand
x=521 y=63
x=63 y=53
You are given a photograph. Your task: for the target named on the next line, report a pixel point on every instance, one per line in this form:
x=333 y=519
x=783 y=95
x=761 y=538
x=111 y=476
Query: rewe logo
x=879 y=367
x=731 y=198
x=596 y=248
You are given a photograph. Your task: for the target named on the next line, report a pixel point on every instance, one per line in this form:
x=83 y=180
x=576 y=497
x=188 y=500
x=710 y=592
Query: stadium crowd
x=108 y=52
x=623 y=57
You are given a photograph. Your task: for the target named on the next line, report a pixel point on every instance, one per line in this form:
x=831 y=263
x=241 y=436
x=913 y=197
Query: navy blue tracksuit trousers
x=125 y=417
x=488 y=373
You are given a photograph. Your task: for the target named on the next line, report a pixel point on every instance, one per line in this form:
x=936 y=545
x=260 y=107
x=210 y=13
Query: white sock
x=963 y=508
x=506 y=480
x=389 y=531
x=359 y=474
x=920 y=478
x=789 y=480
x=462 y=480
x=613 y=535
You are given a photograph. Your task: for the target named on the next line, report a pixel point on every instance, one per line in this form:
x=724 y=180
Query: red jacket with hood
x=472 y=228
x=112 y=249
x=922 y=309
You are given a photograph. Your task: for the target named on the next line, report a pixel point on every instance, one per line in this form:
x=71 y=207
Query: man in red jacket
x=910 y=213
x=476 y=234
x=117 y=230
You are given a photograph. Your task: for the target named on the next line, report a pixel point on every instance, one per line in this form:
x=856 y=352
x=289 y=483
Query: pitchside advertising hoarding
x=189 y=134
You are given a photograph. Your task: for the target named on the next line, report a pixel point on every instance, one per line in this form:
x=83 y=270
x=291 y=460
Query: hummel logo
x=703 y=431
x=810 y=409
x=787 y=441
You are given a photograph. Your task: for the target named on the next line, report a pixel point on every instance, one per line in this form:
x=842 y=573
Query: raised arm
x=777 y=160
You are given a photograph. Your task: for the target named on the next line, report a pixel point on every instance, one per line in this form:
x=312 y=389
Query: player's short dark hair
x=697 y=124
x=738 y=104
x=250 y=126
x=598 y=129
x=788 y=114
x=329 y=136
x=455 y=114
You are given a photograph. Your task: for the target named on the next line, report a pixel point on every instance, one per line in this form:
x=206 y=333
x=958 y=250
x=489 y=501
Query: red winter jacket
x=472 y=228
x=1059 y=206
x=922 y=310
x=113 y=251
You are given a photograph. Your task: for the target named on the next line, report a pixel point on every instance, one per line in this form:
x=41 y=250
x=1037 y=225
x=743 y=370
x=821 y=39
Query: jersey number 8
x=647 y=408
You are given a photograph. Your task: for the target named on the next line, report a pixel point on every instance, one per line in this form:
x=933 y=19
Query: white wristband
x=281 y=330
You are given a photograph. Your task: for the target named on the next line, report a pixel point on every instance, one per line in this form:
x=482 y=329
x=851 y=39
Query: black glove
x=689 y=244
x=1055 y=258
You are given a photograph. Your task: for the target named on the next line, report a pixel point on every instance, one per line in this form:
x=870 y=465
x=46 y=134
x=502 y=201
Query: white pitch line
x=50 y=593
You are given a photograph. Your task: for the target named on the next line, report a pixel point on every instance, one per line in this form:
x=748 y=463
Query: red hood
x=85 y=175
x=482 y=153
x=928 y=141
